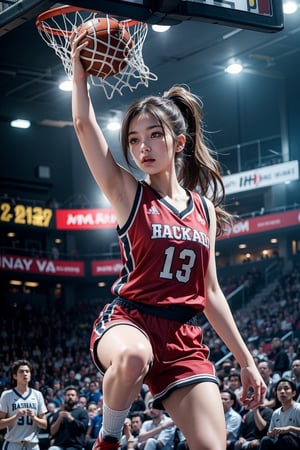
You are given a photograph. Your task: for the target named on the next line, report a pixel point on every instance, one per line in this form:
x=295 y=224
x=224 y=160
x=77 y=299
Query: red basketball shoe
x=106 y=445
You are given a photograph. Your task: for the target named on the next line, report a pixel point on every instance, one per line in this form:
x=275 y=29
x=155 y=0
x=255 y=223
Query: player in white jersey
x=22 y=411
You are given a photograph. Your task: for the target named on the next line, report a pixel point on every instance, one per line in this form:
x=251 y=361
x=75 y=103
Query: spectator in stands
x=48 y=393
x=56 y=383
x=298 y=348
x=261 y=354
x=254 y=426
x=296 y=377
x=157 y=432
x=92 y=410
x=49 y=417
x=99 y=381
x=95 y=424
x=58 y=398
x=267 y=334
x=71 y=379
x=81 y=373
x=137 y=420
x=235 y=385
x=284 y=429
x=223 y=373
x=70 y=424
x=93 y=393
x=50 y=413
x=83 y=401
x=131 y=431
x=3 y=379
x=290 y=350
x=265 y=368
x=180 y=443
x=146 y=394
x=216 y=352
x=138 y=404
x=85 y=386
x=232 y=417
x=127 y=440
x=279 y=357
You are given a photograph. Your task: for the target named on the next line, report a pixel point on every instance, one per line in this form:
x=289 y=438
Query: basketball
x=108 y=48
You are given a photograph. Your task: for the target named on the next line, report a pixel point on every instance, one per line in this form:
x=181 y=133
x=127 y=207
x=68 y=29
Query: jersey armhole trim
x=122 y=230
x=204 y=203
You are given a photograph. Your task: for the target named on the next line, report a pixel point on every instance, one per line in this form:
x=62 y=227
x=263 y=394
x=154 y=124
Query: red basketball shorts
x=180 y=358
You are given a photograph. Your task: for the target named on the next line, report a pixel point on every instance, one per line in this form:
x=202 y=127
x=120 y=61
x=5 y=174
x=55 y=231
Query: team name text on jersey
x=180 y=233
x=23 y=406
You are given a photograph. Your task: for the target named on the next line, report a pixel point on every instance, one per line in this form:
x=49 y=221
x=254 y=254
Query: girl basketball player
x=167 y=238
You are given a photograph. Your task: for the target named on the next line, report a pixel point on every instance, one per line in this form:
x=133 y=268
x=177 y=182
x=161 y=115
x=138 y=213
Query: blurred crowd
x=56 y=341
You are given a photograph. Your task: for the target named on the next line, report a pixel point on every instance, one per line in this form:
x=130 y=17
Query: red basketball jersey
x=164 y=252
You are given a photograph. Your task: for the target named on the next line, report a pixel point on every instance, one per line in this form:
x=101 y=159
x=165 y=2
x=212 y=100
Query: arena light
x=15 y=282
x=20 y=123
x=160 y=28
x=31 y=284
x=113 y=125
x=290 y=7
x=66 y=85
x=234 y=68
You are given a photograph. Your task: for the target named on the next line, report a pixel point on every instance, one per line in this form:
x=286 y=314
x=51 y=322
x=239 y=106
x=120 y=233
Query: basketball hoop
x=56 y=27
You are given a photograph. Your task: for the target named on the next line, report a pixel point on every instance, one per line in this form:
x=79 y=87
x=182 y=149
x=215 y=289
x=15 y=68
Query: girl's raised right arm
x=118 y=185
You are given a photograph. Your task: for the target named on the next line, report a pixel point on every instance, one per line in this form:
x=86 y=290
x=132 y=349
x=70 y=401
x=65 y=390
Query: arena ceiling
x=191 y=52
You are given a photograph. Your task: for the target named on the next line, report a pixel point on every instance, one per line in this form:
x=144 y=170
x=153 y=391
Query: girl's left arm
x=220 y=317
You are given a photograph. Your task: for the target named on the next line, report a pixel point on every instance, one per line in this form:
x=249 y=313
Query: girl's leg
x=126 y=354
x=198 y=412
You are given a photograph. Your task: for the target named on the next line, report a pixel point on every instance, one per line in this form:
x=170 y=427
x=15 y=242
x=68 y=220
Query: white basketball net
x=57 y=29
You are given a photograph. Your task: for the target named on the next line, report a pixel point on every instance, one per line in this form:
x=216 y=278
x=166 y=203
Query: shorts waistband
x=182 y=314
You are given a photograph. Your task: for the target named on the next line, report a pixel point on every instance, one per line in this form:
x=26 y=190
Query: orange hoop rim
x=61 y=10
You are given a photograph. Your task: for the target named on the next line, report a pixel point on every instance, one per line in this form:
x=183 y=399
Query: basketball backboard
x=260 y=15
x=263 y=15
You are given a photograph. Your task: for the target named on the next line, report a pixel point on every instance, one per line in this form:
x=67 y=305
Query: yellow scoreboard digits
x=25 y=215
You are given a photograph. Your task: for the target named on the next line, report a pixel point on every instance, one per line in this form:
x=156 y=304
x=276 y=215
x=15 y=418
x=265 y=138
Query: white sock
x=113 y=422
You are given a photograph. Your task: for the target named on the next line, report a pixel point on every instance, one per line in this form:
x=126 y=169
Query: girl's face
x=151 y=147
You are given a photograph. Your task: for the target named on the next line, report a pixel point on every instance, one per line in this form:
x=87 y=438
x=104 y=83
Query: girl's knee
x=131 y=364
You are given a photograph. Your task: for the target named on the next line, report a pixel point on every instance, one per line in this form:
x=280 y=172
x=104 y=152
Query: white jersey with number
x=24 y=428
